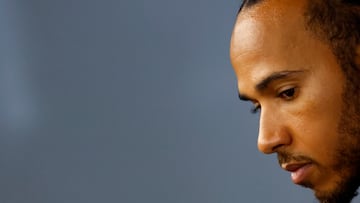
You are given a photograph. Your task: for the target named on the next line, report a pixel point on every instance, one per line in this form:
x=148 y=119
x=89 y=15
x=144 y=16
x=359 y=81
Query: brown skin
x=300 y=113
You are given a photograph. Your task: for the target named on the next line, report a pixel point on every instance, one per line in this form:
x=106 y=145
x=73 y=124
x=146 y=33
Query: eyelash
x=287 y=94
x=256 y=108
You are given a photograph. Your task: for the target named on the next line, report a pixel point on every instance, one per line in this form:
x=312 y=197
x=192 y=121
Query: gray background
x=127 y=101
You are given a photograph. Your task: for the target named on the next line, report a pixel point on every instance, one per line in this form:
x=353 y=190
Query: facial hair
x=347 y=156
x=347 y=160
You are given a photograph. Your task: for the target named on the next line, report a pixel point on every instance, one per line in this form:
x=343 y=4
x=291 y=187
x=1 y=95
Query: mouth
x=299 y=171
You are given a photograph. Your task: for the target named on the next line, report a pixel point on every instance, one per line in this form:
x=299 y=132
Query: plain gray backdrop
x=127 y=101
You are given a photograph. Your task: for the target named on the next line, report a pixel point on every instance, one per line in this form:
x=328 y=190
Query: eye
x=288 y=94
x=256 y=108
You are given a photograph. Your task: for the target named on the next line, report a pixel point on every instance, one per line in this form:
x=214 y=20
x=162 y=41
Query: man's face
x=296 y=81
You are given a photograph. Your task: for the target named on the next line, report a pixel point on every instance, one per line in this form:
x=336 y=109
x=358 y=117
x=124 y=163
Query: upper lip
x=291 y=167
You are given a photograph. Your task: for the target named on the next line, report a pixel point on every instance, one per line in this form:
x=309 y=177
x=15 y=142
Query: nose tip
x=273 y=134
x=269 y=146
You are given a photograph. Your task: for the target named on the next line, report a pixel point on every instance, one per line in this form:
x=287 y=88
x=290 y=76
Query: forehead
x=270 y=32
x=267 y=20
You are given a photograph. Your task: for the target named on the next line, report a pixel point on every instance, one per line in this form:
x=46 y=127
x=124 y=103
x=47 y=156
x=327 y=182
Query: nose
x=274 y=133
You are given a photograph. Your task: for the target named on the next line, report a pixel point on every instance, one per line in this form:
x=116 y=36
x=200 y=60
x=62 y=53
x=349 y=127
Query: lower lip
x=300 y=174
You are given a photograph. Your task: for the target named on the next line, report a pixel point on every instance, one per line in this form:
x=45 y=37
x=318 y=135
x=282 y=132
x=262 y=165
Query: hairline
x=248 y=4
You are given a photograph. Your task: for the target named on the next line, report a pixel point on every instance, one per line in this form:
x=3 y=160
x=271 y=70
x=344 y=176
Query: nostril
x=277 y=147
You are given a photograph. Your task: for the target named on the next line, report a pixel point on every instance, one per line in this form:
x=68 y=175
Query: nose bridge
x=273 y=131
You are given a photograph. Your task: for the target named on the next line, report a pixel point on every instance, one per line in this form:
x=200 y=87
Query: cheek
x=315 y=121
x=320 y=139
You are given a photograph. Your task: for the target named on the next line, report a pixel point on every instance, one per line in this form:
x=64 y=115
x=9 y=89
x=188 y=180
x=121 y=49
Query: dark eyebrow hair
x=243 y=97
x=264 y=83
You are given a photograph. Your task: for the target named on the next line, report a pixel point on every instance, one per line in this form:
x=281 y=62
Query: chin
x=342 y=192
x=324 y=197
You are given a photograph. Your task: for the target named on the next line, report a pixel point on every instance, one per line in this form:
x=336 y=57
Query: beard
x=347 y=157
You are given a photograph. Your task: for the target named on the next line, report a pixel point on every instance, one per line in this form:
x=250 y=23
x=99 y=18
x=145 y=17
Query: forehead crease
x=248 y=77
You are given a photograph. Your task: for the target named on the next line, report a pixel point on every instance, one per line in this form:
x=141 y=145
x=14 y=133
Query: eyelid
x=288 y=88
x=284 y=88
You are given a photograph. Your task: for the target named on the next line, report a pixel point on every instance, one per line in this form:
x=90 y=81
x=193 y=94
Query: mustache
x=286 y=157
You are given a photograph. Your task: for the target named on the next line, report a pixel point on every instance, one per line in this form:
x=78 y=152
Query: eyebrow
x=264 y=83
x=243 y=97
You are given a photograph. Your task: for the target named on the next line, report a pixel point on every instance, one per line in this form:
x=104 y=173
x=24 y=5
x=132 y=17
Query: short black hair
x=248 y=3
x=337 y=23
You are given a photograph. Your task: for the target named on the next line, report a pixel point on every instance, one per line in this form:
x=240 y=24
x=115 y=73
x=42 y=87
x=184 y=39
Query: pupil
x=289 y=92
